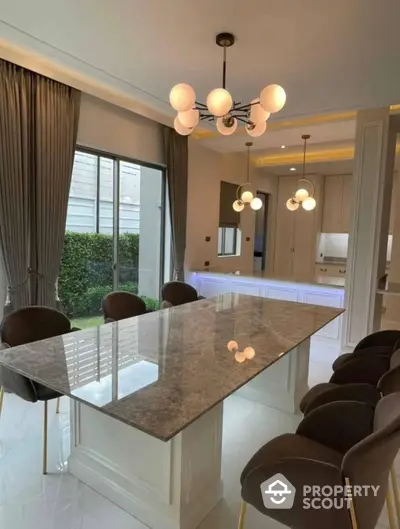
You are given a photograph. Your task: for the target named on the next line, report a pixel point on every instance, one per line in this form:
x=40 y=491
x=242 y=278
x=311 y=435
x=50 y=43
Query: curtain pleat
x=15 y=164
x=176 y=155
x=38 y=130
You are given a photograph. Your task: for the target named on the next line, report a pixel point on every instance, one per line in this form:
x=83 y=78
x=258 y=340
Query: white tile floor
x=29 y=500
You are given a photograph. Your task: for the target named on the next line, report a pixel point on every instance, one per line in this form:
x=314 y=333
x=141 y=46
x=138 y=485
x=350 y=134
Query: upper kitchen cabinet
x=337 y=204
x=296 y=233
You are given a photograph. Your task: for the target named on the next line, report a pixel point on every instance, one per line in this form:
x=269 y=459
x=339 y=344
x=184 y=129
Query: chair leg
x=389 y=505
x=1 y=399
x=352 y=509
x=45 y=438
x=395 y=488
x=58 y=405
x=242 y=515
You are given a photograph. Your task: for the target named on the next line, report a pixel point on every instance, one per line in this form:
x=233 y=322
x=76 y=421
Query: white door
x=284 y=238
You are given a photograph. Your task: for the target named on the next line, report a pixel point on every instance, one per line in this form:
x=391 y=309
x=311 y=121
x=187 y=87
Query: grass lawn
x=89 y=321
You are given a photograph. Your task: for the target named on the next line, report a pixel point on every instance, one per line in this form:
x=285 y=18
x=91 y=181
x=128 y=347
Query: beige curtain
x=15 y=171
x=38 y=128
x=176 y=156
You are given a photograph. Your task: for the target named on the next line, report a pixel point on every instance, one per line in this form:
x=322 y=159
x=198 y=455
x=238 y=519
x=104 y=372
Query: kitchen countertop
x=161 y=371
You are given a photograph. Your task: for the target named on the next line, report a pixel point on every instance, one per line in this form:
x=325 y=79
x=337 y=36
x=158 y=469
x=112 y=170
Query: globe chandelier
x=244 y=192
x=221 y=107
x=302 y=196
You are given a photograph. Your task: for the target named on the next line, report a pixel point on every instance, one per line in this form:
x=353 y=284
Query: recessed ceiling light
x=283 y=146
x=293 y=168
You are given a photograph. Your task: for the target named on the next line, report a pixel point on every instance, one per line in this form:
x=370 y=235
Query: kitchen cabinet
x=337 y=204
x=330 y=270
x=295 y=236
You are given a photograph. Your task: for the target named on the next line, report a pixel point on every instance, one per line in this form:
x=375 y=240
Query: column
x=372 y=186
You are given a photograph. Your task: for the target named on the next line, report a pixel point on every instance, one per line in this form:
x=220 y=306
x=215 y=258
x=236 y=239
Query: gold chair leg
x=1 y=399
x=352 y=509
x=45 y=438
x=389 y=505
x=58 y=405
x=395 y=488
x=242 y=515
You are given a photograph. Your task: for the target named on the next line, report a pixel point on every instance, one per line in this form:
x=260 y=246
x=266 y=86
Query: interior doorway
x=261 y=234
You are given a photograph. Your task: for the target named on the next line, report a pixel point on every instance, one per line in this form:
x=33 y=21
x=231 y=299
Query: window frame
x=223 y=241
x=117 y=158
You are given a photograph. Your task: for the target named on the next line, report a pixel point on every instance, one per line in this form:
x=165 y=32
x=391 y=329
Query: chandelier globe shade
x=232 y=346
x=182 y=97
x=256 y=204
x=227 y=125
x=180 y=129
x=273 y=98
x=247 y=197
x=301 y=194
x=189 y=118
x=220 y=102
x=309 y=203
x=240 y=357
x=249 y=353
x=238 y=206
x=256 y=130
x=257 y=113
x=292 y=205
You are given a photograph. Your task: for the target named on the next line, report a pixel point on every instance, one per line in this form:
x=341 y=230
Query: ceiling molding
x=326 y=155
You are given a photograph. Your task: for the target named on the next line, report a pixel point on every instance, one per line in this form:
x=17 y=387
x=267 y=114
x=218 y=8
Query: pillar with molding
x=375 y=149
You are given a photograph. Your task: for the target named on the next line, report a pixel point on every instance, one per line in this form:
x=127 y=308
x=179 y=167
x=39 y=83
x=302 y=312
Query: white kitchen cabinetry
x=330 y=270
x=337 y=204
x=296 y=234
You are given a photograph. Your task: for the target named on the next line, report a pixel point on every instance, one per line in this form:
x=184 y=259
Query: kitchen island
x=148 y=395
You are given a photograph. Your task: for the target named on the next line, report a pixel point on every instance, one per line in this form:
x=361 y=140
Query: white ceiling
x=330 y=55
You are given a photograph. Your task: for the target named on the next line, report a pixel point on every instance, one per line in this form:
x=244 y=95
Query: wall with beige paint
x=207 y=169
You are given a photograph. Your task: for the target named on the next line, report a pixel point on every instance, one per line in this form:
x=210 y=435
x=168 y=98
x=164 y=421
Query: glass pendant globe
x=301 y=194
x=232 y=346
x=256 y=203
x=182 y=97
x=240 y=357
x=223 y=129
x=273 y=98
x=219 y=102
x=249 y=353
x=292 y=205
x=309 y=203
x=258 y=130
x=238 y=206
x=247 y=197
x=189 y=118
x=257 y=113
x=181 y=129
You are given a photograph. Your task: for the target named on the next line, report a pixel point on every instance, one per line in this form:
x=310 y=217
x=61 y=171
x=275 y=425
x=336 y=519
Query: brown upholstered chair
x=177 y=293
x=23 y=326
x=366 y=369
x=121 y=305
x=341 y=443
x=385 y=341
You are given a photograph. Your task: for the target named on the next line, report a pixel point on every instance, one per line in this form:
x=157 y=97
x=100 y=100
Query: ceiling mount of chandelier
x=221 y=107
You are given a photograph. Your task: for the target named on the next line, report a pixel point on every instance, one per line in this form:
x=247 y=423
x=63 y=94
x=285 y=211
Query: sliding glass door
x=114 y=234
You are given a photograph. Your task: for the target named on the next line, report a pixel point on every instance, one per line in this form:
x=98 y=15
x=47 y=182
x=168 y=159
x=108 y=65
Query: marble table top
x=161 y=371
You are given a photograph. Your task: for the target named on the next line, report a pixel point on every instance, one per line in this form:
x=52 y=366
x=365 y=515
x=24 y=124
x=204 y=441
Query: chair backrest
x=390 y=381
x=365 y=369
x=369 y=461
x=31 y=324
x=387 y=337
x=122 y=305
x=178 y=293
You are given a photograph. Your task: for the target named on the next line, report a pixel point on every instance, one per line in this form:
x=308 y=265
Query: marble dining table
x=147 y=394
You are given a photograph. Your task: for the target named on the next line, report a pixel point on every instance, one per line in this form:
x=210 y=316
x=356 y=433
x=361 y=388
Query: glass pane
x=140 y=230
x=230 y=241
x=220 y=236
x=86 y=274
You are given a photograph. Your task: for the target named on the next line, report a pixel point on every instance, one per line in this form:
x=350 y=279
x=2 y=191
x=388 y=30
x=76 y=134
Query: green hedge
x=86 y=273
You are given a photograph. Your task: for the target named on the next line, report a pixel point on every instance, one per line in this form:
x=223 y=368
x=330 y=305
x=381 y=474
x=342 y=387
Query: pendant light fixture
x=244 y=192
x=221 y=107
x=302 y=196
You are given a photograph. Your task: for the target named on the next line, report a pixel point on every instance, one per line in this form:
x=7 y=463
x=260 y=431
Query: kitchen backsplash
x=335 y=245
